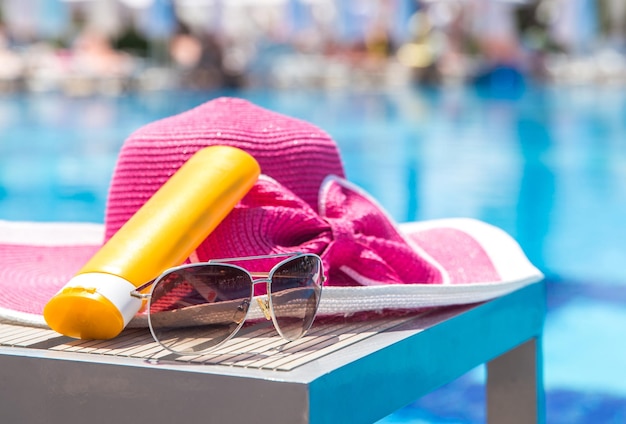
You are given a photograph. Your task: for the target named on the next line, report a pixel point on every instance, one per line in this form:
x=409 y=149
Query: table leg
x=515 y=386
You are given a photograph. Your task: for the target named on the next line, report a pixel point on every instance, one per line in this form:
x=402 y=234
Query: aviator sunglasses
x=195 y=308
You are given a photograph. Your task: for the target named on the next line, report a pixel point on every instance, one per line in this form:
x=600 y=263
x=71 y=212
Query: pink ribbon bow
x=358 y=243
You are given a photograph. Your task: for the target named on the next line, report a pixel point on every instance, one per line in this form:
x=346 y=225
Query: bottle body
x=96 y=303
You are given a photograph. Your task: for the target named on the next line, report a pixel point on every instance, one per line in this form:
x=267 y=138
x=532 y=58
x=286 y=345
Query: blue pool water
x=548 y=166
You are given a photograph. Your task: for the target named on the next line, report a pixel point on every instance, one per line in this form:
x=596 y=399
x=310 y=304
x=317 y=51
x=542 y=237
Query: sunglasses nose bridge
x=261 y=286
x=263 y=302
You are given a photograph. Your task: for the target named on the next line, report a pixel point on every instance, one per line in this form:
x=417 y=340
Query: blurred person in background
x=198 y=58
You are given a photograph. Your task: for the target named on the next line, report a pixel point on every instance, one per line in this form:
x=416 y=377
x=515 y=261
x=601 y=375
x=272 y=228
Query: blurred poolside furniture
x=355 y=371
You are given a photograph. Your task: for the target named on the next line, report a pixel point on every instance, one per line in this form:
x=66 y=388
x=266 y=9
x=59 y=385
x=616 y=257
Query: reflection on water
x=547 y=167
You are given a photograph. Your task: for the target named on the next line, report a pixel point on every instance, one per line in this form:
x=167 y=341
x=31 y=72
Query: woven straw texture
x=295 y=153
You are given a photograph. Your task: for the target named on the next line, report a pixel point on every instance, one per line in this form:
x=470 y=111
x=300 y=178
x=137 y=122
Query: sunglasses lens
x=196 y=308
x=295 y=294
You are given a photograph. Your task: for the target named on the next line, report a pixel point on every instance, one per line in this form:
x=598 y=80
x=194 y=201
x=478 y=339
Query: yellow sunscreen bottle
x=96 y=303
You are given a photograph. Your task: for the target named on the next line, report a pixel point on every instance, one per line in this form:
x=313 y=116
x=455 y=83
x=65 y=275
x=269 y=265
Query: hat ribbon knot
x=356 y=239
x=365 y=246
x=358 y=242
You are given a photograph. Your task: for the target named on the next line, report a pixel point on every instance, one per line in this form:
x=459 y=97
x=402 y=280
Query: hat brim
x=37 y=260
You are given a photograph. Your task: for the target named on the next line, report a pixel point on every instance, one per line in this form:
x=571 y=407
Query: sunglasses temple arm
x=137 y=293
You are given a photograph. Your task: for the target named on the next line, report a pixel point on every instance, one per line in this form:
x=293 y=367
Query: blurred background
x=509 y=111
x=110 y=46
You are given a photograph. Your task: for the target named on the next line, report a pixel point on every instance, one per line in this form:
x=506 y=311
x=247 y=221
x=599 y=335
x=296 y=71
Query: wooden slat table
x=352 y=371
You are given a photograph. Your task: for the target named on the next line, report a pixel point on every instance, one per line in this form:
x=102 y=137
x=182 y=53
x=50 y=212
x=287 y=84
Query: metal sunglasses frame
x=264 y=301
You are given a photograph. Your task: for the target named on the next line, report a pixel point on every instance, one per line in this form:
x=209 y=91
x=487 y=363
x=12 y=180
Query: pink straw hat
x=301 y=202
x=293 y=152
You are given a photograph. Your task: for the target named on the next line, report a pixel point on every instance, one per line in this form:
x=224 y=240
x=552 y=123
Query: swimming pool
x=548 y=166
